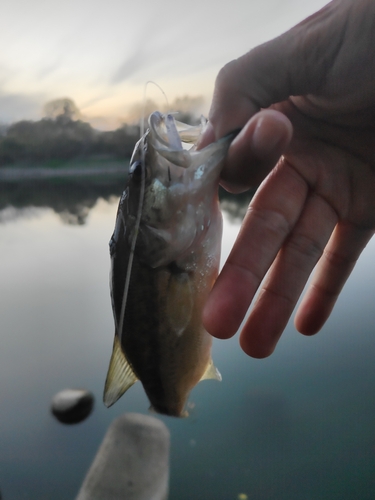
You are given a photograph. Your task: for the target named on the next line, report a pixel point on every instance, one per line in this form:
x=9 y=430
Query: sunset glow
x=100 y=54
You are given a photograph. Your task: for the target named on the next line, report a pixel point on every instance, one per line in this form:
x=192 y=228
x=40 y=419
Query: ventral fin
x=211 y=372
x=120 y=376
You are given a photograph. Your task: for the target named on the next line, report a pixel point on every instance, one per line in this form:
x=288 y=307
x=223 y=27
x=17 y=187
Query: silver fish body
x=165 y=253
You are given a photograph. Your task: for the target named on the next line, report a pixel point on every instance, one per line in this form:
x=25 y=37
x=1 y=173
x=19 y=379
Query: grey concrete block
x=132 y=462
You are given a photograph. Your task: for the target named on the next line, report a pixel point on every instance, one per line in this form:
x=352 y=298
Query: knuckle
x=338 y=259
x=304 y=247
x=227 y=76
x=273 y=221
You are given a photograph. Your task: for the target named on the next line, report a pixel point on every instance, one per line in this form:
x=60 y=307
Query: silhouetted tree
x=45 y=139
x=63 y=107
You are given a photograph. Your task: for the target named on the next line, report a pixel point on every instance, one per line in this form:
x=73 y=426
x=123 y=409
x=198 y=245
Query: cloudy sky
x=100 y=53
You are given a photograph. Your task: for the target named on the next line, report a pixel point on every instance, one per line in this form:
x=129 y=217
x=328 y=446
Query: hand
x=308 y=95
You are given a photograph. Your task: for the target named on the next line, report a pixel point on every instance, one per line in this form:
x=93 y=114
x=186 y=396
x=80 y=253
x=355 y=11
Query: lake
x=297 y=425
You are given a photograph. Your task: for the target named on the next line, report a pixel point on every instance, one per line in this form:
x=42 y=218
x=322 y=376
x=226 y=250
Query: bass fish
x=165 y=253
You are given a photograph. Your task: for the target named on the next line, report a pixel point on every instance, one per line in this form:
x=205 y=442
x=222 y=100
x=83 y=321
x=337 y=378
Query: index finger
x=267 y=224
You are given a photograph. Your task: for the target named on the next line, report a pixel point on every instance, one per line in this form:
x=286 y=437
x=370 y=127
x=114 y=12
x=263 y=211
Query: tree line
x=63 y=138
x=63 y=135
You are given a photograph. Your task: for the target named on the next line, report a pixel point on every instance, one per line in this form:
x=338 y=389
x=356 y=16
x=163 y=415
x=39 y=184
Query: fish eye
x=135 y=170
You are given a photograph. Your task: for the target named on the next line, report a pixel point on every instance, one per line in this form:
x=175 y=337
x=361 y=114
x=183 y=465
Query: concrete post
x=132 y=462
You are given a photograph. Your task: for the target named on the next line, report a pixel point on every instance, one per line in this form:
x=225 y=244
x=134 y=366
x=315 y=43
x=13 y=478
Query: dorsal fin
x=211 y=372
x=120 y=376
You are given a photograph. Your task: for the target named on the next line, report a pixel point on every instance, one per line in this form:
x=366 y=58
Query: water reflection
x=73 y=198
x=296 y=425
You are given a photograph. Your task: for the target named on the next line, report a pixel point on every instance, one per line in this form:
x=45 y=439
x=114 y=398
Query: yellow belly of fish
x=163 y=339
x=166 y=344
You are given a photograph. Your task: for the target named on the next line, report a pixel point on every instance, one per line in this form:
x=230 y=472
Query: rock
x=132 y=462
x=71 y=406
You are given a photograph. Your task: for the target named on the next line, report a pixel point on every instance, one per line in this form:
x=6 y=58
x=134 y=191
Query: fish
x=165 y=253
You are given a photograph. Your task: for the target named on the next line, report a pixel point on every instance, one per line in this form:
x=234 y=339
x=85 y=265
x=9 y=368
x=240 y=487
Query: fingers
x=287 y=229
x=256 y=150
x=334 y=268
x=271 y=216
x=287 y=277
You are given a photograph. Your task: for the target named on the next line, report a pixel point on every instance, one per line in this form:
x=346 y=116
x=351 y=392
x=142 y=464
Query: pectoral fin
x=179 y=305
x=211 y=372
x=120 y=376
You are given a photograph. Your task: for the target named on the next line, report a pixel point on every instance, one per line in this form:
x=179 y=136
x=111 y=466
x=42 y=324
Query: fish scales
x=163 y=285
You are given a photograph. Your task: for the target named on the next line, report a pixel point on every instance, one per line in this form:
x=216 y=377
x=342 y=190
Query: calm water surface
x=298 y=425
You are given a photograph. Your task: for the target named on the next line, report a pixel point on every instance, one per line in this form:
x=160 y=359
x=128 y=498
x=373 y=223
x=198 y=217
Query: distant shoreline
x=34 y=173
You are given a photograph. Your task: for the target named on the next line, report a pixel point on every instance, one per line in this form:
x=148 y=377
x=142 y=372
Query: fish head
x=174 y=189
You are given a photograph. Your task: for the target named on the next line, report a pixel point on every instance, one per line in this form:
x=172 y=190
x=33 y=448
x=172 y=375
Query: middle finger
x=287 y=277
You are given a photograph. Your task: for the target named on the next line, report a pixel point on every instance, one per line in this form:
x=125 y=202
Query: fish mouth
x=165 y=131
x=174 y=140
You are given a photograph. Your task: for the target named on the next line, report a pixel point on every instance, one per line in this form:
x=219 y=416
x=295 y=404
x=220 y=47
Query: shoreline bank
x=25 y=173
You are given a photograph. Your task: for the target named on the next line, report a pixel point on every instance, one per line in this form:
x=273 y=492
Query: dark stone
x=72 y=406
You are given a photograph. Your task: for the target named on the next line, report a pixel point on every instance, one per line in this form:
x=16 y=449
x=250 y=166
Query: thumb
x=294 y=64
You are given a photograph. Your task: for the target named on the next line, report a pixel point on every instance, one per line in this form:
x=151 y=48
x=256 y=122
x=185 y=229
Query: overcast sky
x=101 y=53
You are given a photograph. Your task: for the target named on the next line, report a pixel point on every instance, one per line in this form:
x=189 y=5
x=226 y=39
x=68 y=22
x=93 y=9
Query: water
x=299 y=424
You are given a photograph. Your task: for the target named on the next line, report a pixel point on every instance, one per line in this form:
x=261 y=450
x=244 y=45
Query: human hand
x=317 y=206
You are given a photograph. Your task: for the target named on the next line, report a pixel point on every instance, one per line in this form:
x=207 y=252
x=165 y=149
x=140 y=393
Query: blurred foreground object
x=72 y=406
x=132 y=462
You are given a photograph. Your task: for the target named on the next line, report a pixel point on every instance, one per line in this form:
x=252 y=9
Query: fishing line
x=140 y=206
x=150 y=82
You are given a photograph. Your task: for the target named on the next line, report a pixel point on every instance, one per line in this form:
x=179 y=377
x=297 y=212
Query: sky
x=101 y=53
